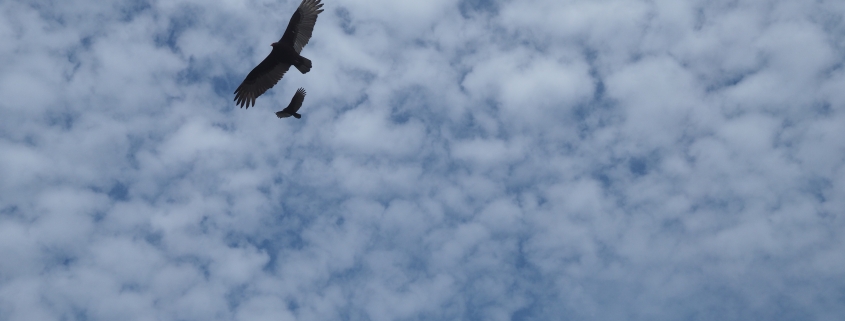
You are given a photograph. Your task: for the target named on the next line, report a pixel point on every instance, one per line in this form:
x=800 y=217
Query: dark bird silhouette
x=295 y=103
x=285 y=54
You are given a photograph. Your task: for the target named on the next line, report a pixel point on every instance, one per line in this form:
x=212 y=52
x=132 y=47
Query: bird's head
x=274 y=44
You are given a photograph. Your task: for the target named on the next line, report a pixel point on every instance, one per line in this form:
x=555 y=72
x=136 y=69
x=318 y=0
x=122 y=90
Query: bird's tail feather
x=304 y=66
x=297 y=115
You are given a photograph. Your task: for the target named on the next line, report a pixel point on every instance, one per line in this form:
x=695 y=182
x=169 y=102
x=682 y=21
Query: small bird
x=285 y=53
x=295 y=103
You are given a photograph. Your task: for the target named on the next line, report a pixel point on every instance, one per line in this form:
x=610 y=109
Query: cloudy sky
x=456 y=160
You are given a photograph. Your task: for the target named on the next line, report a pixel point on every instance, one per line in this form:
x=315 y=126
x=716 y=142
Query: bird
x=285 y=53
x=295 y=103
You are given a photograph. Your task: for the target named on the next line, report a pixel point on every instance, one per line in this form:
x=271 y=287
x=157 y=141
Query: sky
x=456 y=160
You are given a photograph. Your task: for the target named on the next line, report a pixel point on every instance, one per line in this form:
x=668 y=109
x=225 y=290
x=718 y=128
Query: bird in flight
x=285 y=54
x=295 y=103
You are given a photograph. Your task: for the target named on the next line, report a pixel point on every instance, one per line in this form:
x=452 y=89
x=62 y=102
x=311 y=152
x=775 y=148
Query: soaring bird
x=285 y=54
x=295 y=103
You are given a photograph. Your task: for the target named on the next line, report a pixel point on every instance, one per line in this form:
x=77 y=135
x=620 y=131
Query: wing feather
x=296 y=101
x=263 y=77
x=301 y=24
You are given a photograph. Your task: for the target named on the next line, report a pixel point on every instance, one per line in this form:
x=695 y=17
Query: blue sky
x=472 y=160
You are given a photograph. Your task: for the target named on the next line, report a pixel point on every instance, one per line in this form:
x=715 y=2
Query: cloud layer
x=471 y=160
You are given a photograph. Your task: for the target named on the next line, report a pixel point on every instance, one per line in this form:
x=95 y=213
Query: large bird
x=285 y=54
x=295 y=103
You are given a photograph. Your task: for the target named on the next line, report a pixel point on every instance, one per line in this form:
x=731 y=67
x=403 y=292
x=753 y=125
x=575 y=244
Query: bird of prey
x=285 y=54
x=295 y=103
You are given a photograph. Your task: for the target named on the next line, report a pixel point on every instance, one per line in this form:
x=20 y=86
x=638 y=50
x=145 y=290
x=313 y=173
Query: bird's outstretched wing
x=262 y=77
x=302 y=24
